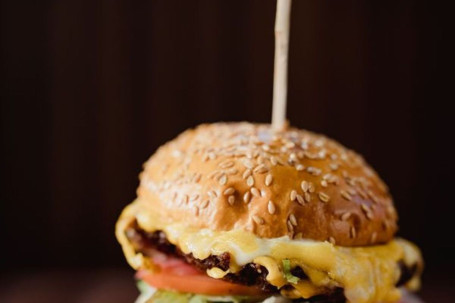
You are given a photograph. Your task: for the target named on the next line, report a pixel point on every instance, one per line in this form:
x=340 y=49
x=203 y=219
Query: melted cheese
x=367 y=274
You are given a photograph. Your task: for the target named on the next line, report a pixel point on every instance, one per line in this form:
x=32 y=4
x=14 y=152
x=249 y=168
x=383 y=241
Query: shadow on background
x=91 y=88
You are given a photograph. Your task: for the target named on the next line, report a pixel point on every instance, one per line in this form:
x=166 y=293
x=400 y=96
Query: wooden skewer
x=282 y=21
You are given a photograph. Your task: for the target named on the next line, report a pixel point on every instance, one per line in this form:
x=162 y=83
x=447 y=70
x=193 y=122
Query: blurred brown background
x=90 y=88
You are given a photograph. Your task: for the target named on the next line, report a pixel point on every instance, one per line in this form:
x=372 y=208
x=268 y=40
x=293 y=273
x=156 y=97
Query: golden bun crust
x=293 y=183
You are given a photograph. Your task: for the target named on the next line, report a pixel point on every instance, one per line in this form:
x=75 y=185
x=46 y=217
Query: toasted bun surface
x=293 y=183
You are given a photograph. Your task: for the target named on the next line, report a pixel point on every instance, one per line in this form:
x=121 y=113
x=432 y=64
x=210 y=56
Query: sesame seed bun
x=293 y=183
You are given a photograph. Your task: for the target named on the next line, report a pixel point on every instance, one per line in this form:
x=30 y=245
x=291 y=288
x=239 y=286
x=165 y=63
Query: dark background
x=89 y=89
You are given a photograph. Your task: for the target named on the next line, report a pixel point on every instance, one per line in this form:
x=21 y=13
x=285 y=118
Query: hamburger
x=239 y=212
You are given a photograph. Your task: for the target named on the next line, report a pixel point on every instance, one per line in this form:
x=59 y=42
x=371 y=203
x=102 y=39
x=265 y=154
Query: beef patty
x=250 y=274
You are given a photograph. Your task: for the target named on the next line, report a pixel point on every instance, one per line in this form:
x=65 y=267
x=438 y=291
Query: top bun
x=246 y=176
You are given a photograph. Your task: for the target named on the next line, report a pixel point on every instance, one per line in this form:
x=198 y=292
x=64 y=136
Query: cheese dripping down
x=367 y=274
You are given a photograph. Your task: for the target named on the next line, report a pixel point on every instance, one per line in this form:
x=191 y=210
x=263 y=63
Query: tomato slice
x=199 y=284
x=175 y=274
x=174 y=265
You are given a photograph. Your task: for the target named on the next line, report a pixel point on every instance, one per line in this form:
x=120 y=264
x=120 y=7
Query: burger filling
x=155 y=245
x=176 y=259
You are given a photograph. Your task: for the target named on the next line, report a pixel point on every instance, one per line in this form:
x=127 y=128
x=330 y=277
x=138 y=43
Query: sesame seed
x=258 y=219
x=390 y=210
x=292 y=219
x=196 y=211
x=319 y=143
x=304 y=145
x=214 y=174
x=370 y=194
x=375 y=199
x=232 y=171
x=385 y=224
x=300 y=199
x=246 y=173
x=307 y=197
x=313 y=170
x=255 y=192
x=223 y=179
x=304 y=185
x=273 y=161
x=333 y=166
x=185 y=199
x=268 y=180
x=324 y=197
x=293 y=195
x=346 y=195
x=324 y=183
x=361 y=193
x=310 y=155
x=250 y=181
x=345 y=216
x=293 y=157
x=350 y=181
x=229 y=191
x=205 y=204
x=247 y=197
x=322 y=154
x=290 y=144
x=194 y=197
x=271 y=207
x=352 y=232
x=261 y=169
x=263 y=193
x=299 y=167
x=352 y=191
x=226 y=164
x=248 y=163
x=290 y=226
x=332 y=240
x=374 y=236
x=366 y=209
x=231 y=200
x=311 y=187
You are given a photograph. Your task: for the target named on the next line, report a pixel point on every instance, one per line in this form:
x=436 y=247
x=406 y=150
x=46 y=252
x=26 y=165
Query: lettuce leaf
x=164 y=296
x=287 y=272
x=142 y=286
x=152 y=295
x=212 y=299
